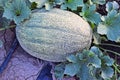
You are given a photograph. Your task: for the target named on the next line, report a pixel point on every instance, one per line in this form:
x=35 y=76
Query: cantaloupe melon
x=53 y=35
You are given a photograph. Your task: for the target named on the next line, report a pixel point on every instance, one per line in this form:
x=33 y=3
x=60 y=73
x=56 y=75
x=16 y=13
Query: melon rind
x=53 y=35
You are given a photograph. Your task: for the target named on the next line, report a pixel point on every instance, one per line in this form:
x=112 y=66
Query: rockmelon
x=53 y=35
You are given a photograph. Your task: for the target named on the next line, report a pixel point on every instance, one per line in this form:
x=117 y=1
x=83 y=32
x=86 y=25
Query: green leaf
x=72 y=58
x=33 y=6
x=86 y=54
x=95 y=61
x=112 y=6
x=84 y=73
x=17 y=11
x=80 y=56
x=40 y=3
x=89 y=13
x=72 y=4
x=59 y=1
x=98 y=1
x=110 y=26
x=96 y=50
x=4 y=23
x=3 y=2
x=119 y=78
x=107 y=72
x=107 y=60
x=63 y=6
x=59 y=70
x=72 y=69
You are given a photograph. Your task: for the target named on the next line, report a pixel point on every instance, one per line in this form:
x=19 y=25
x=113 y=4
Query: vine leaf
x=40 y=3
x=59 y=71
x=88 y=62
x=72 y=4
x=97 y=51
x=17 y=11
x=95 y=61
x=72 y=58
x=72 y=69
x=107 y=60
x=84 y=70
x=98 y=1
x=107 y=72
x=59 y=2
x=110 y=26
x=88 y=13
x=112 y=6
x=3 y=2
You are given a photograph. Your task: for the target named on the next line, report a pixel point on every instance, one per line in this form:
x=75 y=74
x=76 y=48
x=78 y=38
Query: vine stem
x=90 y=2
x=12 y=26
x=110 y=51
x=105 y=44
x=116 y=68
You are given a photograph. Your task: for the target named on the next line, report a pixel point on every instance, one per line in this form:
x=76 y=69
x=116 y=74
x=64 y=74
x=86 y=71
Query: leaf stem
x=90 y=2
x=106 y=44
x=110 y=51
x=12 y=26
x=116 y=68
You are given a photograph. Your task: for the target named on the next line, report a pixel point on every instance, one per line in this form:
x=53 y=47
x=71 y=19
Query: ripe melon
x=53 y=35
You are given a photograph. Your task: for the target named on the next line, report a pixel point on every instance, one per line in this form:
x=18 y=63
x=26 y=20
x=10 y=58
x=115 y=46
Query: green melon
x=53 y=35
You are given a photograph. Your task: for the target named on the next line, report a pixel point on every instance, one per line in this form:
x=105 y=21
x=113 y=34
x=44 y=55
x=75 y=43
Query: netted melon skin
x=53 y=35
